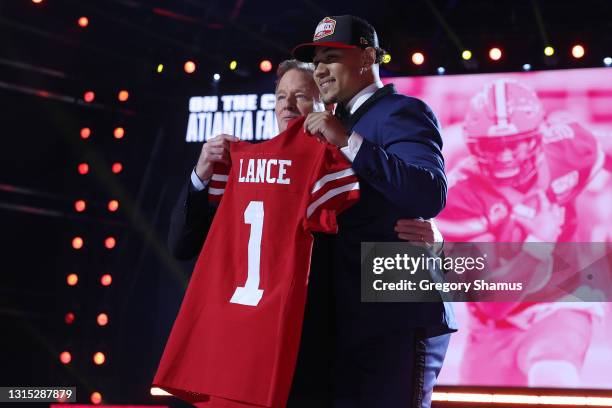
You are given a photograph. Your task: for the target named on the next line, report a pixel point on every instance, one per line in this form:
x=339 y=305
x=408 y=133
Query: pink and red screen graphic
x=528 y=159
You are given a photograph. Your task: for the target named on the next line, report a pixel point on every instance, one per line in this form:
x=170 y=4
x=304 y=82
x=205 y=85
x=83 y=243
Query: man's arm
x=408 y=167
x=193 y=214
x=190 y=221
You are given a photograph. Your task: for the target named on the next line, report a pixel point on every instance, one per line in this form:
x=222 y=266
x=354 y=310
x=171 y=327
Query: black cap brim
x=305 y=52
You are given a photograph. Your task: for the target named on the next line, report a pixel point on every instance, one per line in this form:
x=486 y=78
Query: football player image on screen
x=519 y=184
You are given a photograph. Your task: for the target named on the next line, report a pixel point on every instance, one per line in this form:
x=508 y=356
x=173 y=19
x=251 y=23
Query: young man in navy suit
x=386 y=354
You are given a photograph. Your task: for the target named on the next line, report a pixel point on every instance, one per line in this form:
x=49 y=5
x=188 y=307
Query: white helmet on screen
x=502 y=129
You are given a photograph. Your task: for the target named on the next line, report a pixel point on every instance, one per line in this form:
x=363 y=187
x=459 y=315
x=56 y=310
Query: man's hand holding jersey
x=216 y=150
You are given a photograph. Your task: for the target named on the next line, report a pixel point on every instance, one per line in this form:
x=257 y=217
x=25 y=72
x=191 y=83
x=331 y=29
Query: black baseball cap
x=338 y=32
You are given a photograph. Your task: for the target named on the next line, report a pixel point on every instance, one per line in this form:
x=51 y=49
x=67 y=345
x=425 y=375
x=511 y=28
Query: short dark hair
x=287 y=65
x=380 y=53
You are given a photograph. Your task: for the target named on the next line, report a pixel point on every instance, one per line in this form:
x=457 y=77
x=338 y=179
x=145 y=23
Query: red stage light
x=113 y=205
x=123 y=95
x=72 y=279
x=117 y=167
x=265 y=66
x=37 y=1
x=77 y=242
x=99 y=358
x=495 y=54
x=83 y=22
x=85 y=133
x=189 y=67
x=578 y=51
x=89 y=96
x=110 y=242
x=106 y=279
x=65 y=357
x=102 y=319
x=418 y=58
x=119 y=133
x=69 y=318
x=83 y=168
x=80 y=205
x=96 y=398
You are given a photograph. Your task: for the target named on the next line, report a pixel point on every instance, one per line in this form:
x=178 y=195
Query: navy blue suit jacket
x=401 y=172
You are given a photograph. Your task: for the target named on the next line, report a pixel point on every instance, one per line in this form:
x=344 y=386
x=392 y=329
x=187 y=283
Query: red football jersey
x=236 y=337
x=477 y=209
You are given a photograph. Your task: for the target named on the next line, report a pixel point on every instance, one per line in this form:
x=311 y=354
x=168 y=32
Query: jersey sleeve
x=333 y=187
x=218 y=181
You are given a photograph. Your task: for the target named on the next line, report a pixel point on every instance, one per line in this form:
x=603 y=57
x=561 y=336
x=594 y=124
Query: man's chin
x=327 y=99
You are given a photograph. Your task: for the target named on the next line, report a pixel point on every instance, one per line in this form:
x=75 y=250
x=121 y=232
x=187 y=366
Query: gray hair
x=288 y=65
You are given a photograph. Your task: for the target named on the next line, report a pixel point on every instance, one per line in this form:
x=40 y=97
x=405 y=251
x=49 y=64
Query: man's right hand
x=213 y=151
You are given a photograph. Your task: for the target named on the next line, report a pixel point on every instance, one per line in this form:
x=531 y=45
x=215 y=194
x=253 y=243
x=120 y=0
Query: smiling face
x=296 y=95
x=338 y=73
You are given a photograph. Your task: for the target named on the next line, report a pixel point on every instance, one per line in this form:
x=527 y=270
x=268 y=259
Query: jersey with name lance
x=235 y=340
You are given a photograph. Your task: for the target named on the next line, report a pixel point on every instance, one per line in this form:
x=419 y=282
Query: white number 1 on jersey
x=250 y=294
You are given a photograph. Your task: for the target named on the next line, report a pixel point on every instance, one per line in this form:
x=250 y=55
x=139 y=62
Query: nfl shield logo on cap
x=324 y=28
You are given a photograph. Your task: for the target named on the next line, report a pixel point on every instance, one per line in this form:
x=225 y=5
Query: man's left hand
x=326 y=125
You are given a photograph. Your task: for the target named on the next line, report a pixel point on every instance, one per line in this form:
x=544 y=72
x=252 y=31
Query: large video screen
x=527 y=158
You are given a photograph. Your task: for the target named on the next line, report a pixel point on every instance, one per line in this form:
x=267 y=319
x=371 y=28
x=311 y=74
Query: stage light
x=418 y=58
x=441 y=70
x=110 y=242
x=123 y=95
x=69 y=318
x=526 y=67
x=523 y=399
x=83 y=168
x=466 y=55
x=549 y=51
x=190 y=67
x=37 y=1
x=158 y=392
x=99 y=358
x=72 y=279
x=102 y=319
x=265 y=66
x=160 y=68
x=77 y=242
x=117 y=168
x=85 y=133
x=89 y=96
x=233 y=65
x=119 y=133
x=80 y=205
x=577 y=51
x=83 y=22
x=95 y=398
x=495 y=54
x=386 y=58
x=113 y=205
x=106 y=279
x=216 y=77
x=65 y=357
x=607 y=61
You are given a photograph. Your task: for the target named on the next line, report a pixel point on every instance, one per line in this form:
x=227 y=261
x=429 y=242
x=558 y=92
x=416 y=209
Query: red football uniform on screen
x=478 y=209
x=236 y=338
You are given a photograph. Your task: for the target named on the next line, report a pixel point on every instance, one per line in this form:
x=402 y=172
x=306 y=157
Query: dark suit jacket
x=401 y=172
